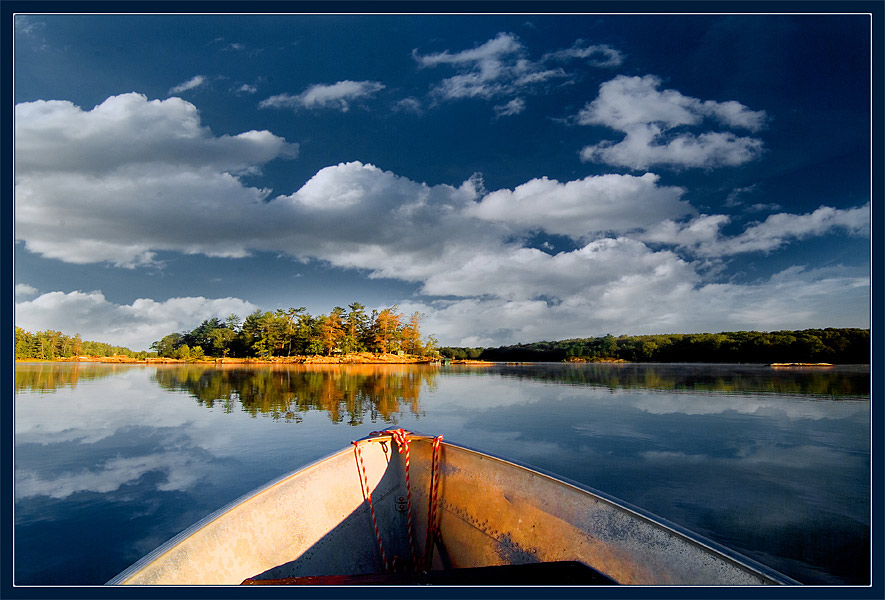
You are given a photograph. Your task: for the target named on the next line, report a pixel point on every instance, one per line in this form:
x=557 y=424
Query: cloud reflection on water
x=180 y=469
x=744 y=468
x=462 y=405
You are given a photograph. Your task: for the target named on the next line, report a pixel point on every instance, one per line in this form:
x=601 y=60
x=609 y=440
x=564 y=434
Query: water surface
x=112 y=460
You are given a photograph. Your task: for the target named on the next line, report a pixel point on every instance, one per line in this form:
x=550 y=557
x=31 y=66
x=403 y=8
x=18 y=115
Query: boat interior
x=405 y=509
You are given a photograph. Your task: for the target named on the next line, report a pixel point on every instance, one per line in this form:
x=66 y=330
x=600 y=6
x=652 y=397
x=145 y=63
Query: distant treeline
x=295 y=332
x=51 y=345
x=843 y=346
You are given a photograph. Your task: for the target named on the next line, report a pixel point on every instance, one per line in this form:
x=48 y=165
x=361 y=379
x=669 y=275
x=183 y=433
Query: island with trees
x=282 y=335
x=350 y=335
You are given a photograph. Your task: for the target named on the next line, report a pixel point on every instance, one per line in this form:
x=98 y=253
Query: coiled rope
x=401 y=438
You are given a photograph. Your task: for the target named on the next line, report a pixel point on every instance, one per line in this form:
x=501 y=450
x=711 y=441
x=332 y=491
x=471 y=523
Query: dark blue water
x=111 y=460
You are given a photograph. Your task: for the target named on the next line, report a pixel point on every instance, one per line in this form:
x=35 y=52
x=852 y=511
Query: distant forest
x=843 y=346
x=51 y=345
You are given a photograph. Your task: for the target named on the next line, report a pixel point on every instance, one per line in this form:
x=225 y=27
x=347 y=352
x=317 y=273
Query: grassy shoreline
x=356 y=358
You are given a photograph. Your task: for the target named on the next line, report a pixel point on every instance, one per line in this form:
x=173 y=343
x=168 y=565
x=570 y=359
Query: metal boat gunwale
x=710 y=546
x=649 y=517
x=217 y=514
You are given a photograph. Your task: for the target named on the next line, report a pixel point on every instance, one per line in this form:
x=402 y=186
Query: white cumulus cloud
x=668 y=298
x=129 y=177
x=23 y=289
x=703 y=234
x=129 y=130
x=781 y=228
x=585 y=207
x=648 y=117
x=358 y=216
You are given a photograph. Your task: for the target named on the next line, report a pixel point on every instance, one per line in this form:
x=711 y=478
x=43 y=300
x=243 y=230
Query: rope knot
x=400 y=436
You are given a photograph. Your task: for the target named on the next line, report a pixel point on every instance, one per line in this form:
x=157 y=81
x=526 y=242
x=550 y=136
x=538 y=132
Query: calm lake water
x=112 y=460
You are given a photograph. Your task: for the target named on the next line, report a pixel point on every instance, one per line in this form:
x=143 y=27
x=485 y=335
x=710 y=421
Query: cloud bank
x=103 y=186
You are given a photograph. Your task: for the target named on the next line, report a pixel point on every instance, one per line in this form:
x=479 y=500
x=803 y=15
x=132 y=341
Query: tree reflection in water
x=348 y=393
x=840 y=381
x=380 y=390
x=46 y=377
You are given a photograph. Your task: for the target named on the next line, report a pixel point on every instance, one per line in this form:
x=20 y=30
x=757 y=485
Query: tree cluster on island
x=295 y=332
x=832 y=345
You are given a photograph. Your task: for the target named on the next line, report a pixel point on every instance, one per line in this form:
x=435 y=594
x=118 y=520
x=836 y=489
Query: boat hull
x=492 y=511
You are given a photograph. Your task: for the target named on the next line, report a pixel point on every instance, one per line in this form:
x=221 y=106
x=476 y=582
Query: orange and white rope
x=364 y=484
x=432 y=525
x=401 y=438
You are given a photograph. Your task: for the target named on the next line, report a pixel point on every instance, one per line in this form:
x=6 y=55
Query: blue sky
x=512 y=177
